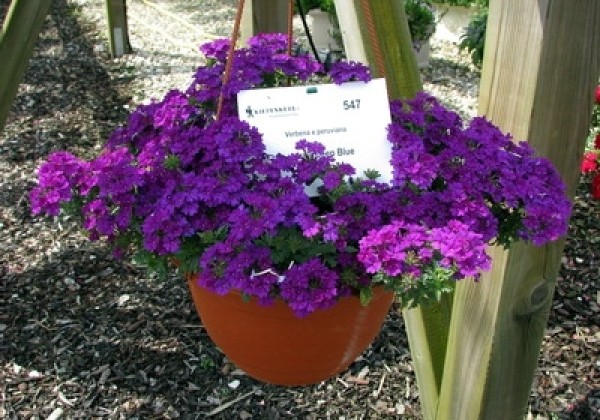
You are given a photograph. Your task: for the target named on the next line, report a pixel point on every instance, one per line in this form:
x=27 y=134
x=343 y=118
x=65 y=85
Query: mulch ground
x=85 y=336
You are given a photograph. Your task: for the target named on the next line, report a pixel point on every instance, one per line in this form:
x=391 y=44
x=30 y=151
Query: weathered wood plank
x=19 y=32
x=264 y=16
x=391 y=36
x=542 y=62
x=427 y=328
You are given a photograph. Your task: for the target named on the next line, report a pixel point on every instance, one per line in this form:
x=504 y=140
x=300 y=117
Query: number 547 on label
x=351 y=104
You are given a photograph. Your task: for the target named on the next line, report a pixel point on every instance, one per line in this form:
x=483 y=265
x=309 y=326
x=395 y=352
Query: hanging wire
x=374 y=39
x=234 y=36
x=290 y=28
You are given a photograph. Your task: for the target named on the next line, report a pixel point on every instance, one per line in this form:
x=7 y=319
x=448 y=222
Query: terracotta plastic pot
x=271 y=344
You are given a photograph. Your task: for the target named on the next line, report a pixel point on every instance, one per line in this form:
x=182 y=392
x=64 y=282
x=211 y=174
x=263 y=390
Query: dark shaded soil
x=84 y=336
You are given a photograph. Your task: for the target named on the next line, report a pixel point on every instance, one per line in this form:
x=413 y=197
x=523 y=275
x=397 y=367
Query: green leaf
x=155 y=263
x=372 y=174
x=172 y=162
x=366 y=294
x=193 y=247
x=290 y=245
x=411 y=292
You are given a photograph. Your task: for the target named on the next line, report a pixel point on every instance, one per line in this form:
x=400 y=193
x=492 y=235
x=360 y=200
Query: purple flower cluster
x=176 y=184
x=402 y=249
x=476 y=175
x=57 y=178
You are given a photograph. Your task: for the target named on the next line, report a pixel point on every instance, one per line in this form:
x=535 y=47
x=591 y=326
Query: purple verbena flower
x=349 y=71
x=58 y=177
x=309 y=286
x=216 y=49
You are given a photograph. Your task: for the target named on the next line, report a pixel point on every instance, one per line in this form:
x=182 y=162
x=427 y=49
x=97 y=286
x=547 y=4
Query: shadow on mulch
x=89 y=333
x=68 y=83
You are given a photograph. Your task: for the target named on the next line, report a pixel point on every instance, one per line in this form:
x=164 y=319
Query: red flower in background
x=590 y=163
x=591 y=159
x=596 y=187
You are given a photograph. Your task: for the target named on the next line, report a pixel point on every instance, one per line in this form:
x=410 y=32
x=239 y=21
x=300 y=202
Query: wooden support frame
x=541 y=65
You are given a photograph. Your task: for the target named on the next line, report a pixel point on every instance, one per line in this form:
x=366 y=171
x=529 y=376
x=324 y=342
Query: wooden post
x=393 y=38
x=20 y=30
x=541 y=65
x=427 y=328
x=118 y=32
x=264 y=16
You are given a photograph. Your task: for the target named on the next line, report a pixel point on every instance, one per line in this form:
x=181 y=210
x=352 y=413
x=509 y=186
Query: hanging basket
x=272 y=345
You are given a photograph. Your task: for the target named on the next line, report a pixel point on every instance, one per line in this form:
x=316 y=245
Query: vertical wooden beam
x=20 y=30
x=427 y=331
x=393 y=36
x=542 y=62
x=264 y=16
x=427 y=327
x=118 y=31
x=354 y=45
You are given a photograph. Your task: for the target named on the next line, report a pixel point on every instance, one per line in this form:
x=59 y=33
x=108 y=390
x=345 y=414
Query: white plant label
x=350 y=120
